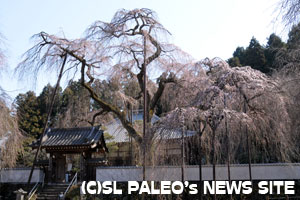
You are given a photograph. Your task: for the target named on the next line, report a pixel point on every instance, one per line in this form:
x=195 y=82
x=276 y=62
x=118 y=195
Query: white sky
x=212 y=28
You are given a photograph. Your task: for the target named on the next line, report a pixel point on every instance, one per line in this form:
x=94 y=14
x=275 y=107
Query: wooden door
x=60 y=168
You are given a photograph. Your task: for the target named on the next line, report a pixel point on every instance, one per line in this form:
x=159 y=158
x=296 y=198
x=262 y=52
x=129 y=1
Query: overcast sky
x=211 y=28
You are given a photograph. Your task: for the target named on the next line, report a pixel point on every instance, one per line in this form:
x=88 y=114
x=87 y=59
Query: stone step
x=51 y=191
x=56 y=186
x=46 y=198
x=48 y=195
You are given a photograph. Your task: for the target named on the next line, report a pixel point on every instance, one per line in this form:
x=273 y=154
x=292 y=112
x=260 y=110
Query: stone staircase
x=52 y=191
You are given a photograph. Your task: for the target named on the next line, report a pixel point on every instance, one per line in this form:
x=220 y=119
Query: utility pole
x=145 y=107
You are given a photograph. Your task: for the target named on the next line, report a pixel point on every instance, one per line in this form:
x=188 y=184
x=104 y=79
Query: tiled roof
x=72 y=136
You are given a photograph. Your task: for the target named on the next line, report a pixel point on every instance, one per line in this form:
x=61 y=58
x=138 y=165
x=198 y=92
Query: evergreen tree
x=75 y=104
x=240 y=54
x=234 y=62
x=274 y=45
x=289 y=57
x=294 y=37
x=44 y=100
x=29 y=114
x=105 y=89
x=255 y=57
x=238 y=58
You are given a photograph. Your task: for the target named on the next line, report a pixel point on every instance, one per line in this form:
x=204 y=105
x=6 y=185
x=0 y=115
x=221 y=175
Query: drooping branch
x=64 y=47
x=96 y=115
x=289 y=12
x=108 y=107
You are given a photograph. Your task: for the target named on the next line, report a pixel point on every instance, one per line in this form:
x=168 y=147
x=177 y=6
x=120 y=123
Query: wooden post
x=50 y=168
x=182 y=149
x=228 y=145
x=214 y=162
x=200 y=133
x=81 y=167
x=248 y=146
x=200 y=165
x=130 y=138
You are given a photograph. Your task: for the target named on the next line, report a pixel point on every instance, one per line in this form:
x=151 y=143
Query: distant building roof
x=120 y=134
x=88 y=137
x=173 y=134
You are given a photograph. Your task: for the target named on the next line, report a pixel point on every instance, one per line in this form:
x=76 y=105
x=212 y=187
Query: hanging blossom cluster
x=239 y=100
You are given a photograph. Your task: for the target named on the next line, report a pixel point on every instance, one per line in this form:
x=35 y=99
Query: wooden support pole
x=47 y=118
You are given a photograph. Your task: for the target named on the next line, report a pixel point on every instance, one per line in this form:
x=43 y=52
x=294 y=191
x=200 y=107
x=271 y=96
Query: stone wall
x=20 y=175
x=173 y=173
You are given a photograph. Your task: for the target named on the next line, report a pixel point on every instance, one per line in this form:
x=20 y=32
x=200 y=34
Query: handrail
x=43 y=182
x=34 y=189
x=74 y=180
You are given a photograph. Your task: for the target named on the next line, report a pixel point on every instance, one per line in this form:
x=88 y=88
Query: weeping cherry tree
x=120 y=49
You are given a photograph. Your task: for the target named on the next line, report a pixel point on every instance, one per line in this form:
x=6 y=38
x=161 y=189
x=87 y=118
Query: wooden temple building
x=71 y=150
